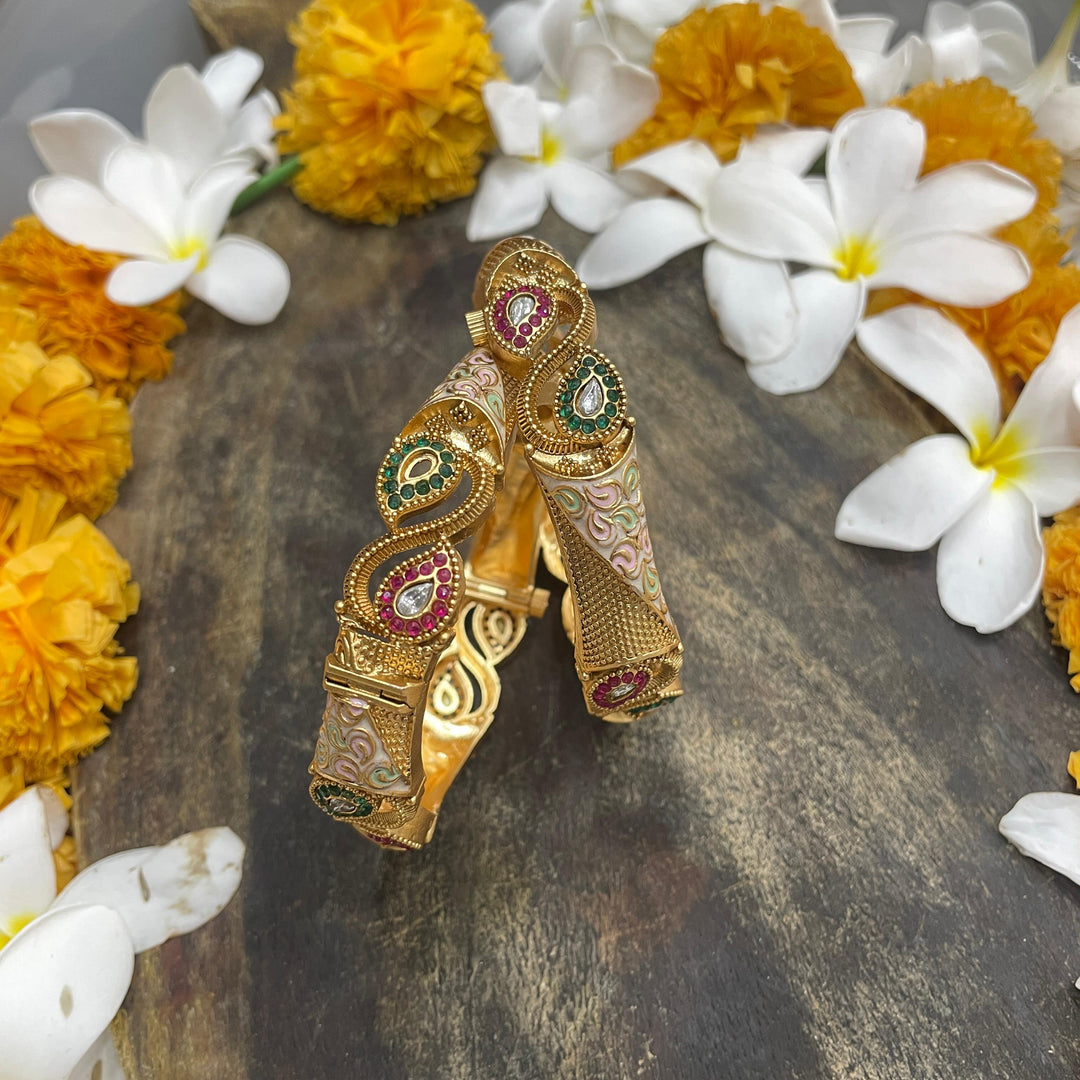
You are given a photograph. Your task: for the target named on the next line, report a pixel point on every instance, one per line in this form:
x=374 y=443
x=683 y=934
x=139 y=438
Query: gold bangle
x=535 y=418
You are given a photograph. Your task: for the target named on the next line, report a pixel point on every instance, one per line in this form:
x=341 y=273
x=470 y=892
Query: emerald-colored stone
x=437 y=446
x=390 y=486
x=407 y=491
x=610 y=409
x=566 y=410
x=588 y=361
x=422 y=442
x=608 y=380
x=613 y=395
x=436 y=482
x=423 y=488
x=406 y=447
x=583 y=373
x=572 y=384
x=602 y=422
x=573 y=423
x=395 y=458
x=389 y=473
x=600 y=369
x=446 y=456
x=445 y=470
x=587 y=427
x=394 y=502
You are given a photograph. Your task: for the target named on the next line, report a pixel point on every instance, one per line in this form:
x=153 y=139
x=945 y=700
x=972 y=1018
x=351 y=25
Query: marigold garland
x=64 y=286
x=63 y=592
x=385 y=110
x=725 y=71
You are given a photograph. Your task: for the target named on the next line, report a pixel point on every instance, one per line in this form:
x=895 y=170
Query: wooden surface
x=793 y=873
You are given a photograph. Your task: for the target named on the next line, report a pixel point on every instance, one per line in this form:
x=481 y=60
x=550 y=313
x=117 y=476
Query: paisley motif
x=350 y=750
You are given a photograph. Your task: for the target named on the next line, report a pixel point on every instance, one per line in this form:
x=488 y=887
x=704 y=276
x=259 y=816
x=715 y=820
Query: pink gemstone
x=525 y=329
x=428 y=621
x=443 y=592
x=439 y=558
x=535 y=319
x=413 y=628
x=397 y=625
x=641 y=678
x=628 y=677
x=412 y=574
x=425 y=568
x=500 y=305
x=396 y=582
x=444 y=574
x=501 y=325
x=386 y=614
x=438 y=609
x=507 y=294
x=386 y=597
x=519 y=342
x=544 y=311
x=509 y=335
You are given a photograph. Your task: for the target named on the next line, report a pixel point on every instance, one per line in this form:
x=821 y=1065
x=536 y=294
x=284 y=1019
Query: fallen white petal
x=244 y=280
x=909 y=502
x=100 y=1062
x=1050 y=478
x=211 y=197
x=828 y=310
x=794 y=149
x=80 y=213
x=514 y=112
x=163 y=892
x=752 y=302
x=144 y=181
x=688 y=167
x=767 y=211
x=512 y=197
x=953 y=268
x=1045 y=825
x=935 y=359
x=27 y=874
x=182 y=120
x=76 y=142
x=874 y=158
x=583 y=196
x=990 y=563
x=61 y=981
x=643 y=237
x=229 y=77
x=144 y=281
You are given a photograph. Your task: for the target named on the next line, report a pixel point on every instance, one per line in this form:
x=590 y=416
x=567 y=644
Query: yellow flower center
x=857 y=257
x=14 y=925
x=550 y=147
x=191 y=245
x=1003 y=454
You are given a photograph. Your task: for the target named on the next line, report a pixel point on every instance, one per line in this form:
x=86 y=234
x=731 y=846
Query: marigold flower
x=1061 y=590
x=55 y=430
x=1074 y=766
x=385 y=110
x=64 y=286
x=63 y=592
x=725 y=71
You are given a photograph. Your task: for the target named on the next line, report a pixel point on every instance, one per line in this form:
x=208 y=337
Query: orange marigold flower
x=63 y=592
x=385 y=109
x=64 y=286
x=1074 y=766
x=55 y=430
x=1061 y=588
x=725 y=71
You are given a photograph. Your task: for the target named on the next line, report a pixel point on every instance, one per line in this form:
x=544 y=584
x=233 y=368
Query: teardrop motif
x=590 y=398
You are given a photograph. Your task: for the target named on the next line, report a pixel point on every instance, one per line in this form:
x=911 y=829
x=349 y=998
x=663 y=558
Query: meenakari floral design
x=476 y=379
x=350 y=748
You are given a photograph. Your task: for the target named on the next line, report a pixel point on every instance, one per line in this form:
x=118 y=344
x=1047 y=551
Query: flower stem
x=281 y=173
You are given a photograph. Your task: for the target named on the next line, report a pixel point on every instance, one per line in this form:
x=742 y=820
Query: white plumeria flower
x=195 y=119
x=173 y=236
x=1045 y=825
x=66 y=961
x=980 y=493
x=991 y=38
x=871 y=224
x=560 y=150
x=750 y=297
x=534 y=37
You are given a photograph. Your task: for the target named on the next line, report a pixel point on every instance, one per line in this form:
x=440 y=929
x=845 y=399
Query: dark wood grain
x=793 y=873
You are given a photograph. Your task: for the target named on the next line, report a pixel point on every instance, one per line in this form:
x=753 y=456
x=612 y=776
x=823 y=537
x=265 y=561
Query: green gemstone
x=437 y=446
x=445 y=470
x=446 y=456
x=572 y=384
x=602 y=422
x=406 y=447
x=583 y=373
x=436 y=482
x=422 y=442
x=588 y=361
x=613 y=395
x=600 y=369
x=566 y=410
x=395 y=458
x=394 y=502
x=608 y=380
x=390 y=486
x=574 y=423
x=407 y=491
x=610 y=409
x=389 y=473
x=587 y=427
x=423 y=488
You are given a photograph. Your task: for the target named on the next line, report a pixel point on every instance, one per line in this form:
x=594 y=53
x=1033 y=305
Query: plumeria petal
x=752 y=301
x=230 y=76
x=764 y=210
x=512 y=197
x=954 y=268
x=144 y=181
x=1046 y=413
x=972 y=197
x=100 y=1062
x=1049 y=478
x=76 y=142
x=555 y=28
x=880 y=76
x=61 y=981
x=874 y=158
x=909 y=503
x=990 y=563
x=935 y=359
x=585 y=197
x=244 y=280
x=80 y=213
x=514 y=112
x=27 y=872
x=252 y=129
x=182 y=121
x=688 y=167
x=144 y=281
x=210 y=199
x=1045 y=825
x=794 y=149
x=515 y=33
x=644 y=236
x=163 y=892
x=829 y=309
x=1058 y=118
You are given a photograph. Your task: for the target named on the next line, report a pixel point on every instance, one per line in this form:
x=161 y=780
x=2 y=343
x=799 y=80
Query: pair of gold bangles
x=526 y=447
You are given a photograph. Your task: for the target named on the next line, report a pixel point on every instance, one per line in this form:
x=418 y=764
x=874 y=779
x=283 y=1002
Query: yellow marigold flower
x=1061 y=589
x=1074 y=766
x=64 y=286
x=723 y=72
x=63 y=592
x=55 y=430
x=385 y=110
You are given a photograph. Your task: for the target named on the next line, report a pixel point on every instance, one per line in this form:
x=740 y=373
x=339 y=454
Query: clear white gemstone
x=415 y=598
x=590 y=398
x=621 y=691
x=338 y=805
x=520 y=308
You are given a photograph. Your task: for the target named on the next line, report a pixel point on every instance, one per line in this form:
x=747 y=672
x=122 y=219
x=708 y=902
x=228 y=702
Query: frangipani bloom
x=751 y=298
x=1045 y=825
x=66 y=961
x=980 y=493
x=196 y=120
x=873 y=224
x=172 y=235
x=560 y=150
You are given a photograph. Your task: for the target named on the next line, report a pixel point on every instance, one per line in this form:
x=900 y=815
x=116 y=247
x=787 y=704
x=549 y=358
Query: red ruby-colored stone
x=535 y=319
x=628 y=677
x=386 y=614
x=444 y=574
x=412 y=574
x=443 y=592
x=425 y=568
x=525 y=329
x=501 y=325
x=386 y=597
x=439 y=558
x=641 y=678
x=509 y=335
x=520 y=342
x=413 y=628
x=428 y=621
x=396 y=582
x=438 y=609
x=397 y=625
x=544 y=311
